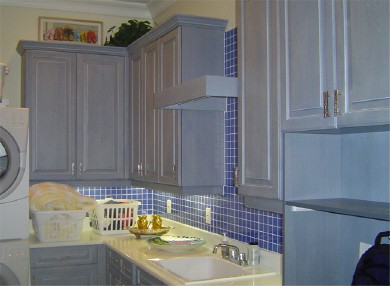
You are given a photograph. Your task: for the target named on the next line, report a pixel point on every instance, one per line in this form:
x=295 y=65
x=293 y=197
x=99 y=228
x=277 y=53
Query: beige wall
x=17 y=23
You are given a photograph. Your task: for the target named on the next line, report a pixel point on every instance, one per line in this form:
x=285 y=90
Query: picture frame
x=70 y=31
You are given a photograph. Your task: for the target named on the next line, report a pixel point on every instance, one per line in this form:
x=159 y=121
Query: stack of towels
x=50 y=196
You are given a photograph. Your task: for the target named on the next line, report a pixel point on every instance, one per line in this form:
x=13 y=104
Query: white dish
x=175 y=243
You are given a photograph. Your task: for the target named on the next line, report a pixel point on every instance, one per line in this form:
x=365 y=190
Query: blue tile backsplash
x=229 y=215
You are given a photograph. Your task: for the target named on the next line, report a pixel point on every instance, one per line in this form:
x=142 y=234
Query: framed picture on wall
x=70 y=31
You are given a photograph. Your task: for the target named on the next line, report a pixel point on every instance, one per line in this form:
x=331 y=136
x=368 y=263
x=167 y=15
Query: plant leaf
x=127 y=33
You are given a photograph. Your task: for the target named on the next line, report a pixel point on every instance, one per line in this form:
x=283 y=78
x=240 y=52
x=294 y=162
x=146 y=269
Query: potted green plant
x=127 y=33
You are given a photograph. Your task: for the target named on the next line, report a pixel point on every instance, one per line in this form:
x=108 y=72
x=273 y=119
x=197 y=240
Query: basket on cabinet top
x=113 y=216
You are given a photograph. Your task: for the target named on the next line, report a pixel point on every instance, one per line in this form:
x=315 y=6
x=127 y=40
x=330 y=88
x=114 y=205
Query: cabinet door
x=307 y=57
x=150 y=114
x=113 y=276
x=116 y=276
x=136 y=103
x=119 y=270
x=259 y=101
x=169 y=75
x=50 y=94
x=100 y=115
x=366 y=48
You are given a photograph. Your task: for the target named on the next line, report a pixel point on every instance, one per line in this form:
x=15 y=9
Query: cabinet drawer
x=67 y=275
x=62 y=256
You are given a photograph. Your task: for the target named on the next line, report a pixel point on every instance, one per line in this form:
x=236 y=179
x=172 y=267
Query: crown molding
x=156 y=7
x=101 y=7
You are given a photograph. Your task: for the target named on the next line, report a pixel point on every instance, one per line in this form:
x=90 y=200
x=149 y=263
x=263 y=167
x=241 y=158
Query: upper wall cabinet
x=335 y=63
x=76 y=96
x=259 y=116
x=178 y=151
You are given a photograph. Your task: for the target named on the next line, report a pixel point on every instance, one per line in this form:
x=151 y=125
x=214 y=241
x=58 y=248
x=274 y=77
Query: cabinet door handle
x=114 y=261
x=337 y=94
x=73 y=168
x=80 y=168
x=326 y=106
x=64 y=257
x=174 y=171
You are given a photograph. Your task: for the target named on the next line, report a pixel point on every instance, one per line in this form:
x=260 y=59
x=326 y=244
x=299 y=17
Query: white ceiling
x=141 y=9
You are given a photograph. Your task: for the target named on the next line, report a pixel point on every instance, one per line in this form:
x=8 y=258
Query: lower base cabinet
x=68 y=265
x=120 y=271
x=85 y=265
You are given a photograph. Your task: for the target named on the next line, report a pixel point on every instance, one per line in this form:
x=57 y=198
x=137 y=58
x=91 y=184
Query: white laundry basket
x=113 y=218
x=51 y=226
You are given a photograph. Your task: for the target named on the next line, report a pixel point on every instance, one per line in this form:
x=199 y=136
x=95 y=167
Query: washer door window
x=7 y=277
x=10 y=171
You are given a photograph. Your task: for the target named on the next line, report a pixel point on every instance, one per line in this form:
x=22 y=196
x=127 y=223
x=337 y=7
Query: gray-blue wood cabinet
x=336 y=161
x=121 y=271
x=68 y=265
x=335 y=64
x=260 y=140
x=178 y=151
x=76 y=95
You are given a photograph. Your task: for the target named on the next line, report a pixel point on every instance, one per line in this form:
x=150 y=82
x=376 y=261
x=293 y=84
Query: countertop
x=139 y=252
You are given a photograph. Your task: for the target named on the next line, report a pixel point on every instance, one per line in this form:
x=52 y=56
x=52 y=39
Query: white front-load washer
x=14 y=262
x=14 y=173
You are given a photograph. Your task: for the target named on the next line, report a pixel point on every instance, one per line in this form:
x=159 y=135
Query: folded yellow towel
x=49 y=196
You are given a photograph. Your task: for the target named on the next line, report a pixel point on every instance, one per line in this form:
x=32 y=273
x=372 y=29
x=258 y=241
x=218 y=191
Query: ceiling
x=141 y=9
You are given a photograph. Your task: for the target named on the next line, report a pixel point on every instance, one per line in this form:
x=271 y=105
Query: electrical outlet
x=208 y=215
x=363 y=247
x=169 y=206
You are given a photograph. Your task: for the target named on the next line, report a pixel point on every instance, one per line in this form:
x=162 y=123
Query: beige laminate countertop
x=139 y=252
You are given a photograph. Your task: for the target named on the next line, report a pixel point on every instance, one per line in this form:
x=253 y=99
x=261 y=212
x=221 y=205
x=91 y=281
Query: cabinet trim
x=203 y=93
x=23 y=46
x=353 y=207
x=188 y=190
x=270 y=205
x=174 y=22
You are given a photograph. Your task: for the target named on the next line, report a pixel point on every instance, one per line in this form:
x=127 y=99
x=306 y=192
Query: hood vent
x=203 y=93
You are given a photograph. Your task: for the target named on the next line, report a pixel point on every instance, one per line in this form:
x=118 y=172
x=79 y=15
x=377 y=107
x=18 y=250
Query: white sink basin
x=206 y=269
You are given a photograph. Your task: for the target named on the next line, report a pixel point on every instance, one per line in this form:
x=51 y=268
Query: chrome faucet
x=231 y=252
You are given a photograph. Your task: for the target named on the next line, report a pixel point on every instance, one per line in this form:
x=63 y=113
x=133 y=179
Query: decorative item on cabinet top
x=70 y=31
x=203 y=93
x=127 y=33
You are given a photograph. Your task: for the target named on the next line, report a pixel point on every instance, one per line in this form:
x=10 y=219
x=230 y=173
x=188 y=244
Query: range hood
x=203 y=93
